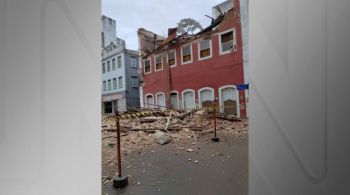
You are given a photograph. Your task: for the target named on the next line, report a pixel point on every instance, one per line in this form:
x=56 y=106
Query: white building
x=119 y=66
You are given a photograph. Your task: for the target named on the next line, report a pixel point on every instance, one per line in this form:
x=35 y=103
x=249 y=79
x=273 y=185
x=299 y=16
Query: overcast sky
x=154 y=15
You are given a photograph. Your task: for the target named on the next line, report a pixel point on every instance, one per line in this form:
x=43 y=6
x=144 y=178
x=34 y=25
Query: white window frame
x=144 y=67
x=155 y=62
x=178 y=99
x=133 y=62
x=182 y=62
x=137 y=81
x=237 y=98
x=122 y=81
x=156 y=99
x=200 y=96
x=109 y=84
x=104 y=85
x=167 y=58
x=146 y=103
x=104 y=68
x=234 y=42
x=109 y=68
x=115 y=64
x=183 y=97
x=199 y=50
x=121 y=62
x=114 y=84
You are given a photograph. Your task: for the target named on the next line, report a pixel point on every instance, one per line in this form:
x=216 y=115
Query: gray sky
x=154 y=15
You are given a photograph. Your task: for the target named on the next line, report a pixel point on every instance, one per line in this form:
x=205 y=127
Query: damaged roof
x=174 y=39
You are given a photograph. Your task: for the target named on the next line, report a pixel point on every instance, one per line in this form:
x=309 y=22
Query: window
x=113 y=64
x=229 y=100
x=103 y=39
x=159 y=62
x=103 y=68
x=133 y=62
x=172 y=58
x=186 y=52
x=206 y=97
x=115 y=83
x=147 y=66
x=120 y=82
x=108 y=66
x=119 y=61
x=109 y=85
x=204 y=47
x=134 y=82
x=104 y=85
x=228 y=42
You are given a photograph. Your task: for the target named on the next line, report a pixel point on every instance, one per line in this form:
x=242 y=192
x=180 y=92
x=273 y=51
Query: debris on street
x=161 y=138
x=162 y=127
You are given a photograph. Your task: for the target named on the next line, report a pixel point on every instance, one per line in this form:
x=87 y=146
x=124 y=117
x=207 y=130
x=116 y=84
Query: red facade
x=216 y=72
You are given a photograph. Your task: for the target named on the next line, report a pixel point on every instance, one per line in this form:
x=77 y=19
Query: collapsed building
x=185 y=72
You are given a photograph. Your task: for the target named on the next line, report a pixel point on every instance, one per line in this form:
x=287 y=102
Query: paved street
x=210 y=169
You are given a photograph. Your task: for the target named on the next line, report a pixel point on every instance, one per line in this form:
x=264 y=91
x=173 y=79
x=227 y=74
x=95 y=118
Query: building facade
x=120 y=78
x=191 y=71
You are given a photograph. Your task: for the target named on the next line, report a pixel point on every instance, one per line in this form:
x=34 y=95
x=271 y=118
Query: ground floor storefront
x=112 y=103
x=229 y=98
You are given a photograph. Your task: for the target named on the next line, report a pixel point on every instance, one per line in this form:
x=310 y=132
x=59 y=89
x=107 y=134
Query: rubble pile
x=138 y=133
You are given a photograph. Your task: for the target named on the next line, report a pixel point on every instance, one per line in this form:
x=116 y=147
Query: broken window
x=204 y=49
x=206 y=97
x=228 y=42
x=171 y=58
x=159 y=62
x=103 y=68
x=115 y=83
x=147 y=66
x=113 y=64
x=186 y=54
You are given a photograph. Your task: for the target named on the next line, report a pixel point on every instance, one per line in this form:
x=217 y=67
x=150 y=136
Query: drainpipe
x=170 y=87
x=140 y=69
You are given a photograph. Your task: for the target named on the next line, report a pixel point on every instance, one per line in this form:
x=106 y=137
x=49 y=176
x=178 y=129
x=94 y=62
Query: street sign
x=243 y=87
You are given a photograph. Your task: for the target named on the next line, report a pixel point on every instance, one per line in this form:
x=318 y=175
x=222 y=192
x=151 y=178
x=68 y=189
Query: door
x=207 y=98
x=229 y=101
x=189 y=101
x=108 y=107
x=161 y=101
x=174 y=101
x=149 y=101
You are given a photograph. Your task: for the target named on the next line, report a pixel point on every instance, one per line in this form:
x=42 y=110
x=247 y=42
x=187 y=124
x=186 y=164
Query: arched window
x=206 y=97
x=228 y=99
